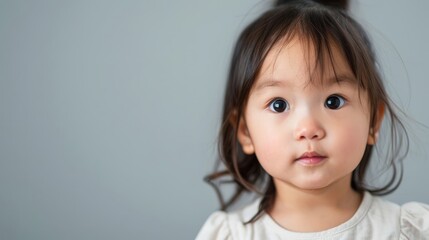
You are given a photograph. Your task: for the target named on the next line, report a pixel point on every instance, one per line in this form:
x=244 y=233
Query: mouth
x=310 y=159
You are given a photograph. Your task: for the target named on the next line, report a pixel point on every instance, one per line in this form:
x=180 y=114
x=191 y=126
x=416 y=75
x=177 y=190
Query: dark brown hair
x=324 y=27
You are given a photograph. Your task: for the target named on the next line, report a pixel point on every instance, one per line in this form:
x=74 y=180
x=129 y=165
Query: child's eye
x=279 y=105
x=334 y=102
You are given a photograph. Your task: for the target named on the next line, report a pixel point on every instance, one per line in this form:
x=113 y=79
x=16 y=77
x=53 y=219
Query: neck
x=307 y=210
x=299 y=198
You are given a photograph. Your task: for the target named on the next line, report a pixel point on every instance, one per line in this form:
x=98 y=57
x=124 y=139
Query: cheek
x=268 y=141
x=352 y=139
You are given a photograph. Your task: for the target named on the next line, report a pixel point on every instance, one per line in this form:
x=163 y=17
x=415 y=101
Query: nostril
x=310 y=133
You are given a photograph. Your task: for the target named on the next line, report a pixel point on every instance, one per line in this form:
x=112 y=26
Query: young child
x=303 y=109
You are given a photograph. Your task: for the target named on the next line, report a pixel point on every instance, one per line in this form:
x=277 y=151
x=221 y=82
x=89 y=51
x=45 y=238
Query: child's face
x=307 y=135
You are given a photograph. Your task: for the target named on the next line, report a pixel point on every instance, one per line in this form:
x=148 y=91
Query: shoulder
x=411 y=219
x=224 y=225
x=384 y=210
x=415 y=220
x=377 y=219
x=215 y=227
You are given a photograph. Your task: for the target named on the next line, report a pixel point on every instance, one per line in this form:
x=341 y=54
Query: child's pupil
x=279 y=105
x=333 y=102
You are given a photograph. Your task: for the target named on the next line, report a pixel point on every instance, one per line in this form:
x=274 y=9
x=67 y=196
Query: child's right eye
x=279 y=105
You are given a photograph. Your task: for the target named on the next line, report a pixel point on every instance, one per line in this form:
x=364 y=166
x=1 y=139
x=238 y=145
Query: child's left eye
x=334 y=102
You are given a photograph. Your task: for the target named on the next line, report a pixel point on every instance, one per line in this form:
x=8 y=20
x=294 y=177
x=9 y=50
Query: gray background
x=109 y=110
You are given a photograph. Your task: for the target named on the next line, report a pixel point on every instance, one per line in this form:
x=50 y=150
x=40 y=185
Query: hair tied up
x=341 y=4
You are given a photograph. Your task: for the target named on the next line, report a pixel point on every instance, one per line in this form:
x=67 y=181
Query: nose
x=309 y=127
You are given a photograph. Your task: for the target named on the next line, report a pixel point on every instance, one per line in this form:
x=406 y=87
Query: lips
x=311 y=158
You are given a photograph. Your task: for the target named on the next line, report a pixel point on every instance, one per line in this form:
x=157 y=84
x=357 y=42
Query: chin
x=312 y=185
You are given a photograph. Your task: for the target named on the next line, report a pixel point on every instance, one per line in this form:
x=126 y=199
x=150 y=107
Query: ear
x=375 y=128
x=244 y=137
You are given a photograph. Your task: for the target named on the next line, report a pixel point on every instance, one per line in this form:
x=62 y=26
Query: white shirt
x=375 y=219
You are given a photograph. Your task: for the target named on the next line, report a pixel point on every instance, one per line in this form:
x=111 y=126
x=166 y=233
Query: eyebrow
x=269 y=83
x=339 y=78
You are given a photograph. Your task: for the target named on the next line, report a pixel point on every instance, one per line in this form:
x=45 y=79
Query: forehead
x=300 y=59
